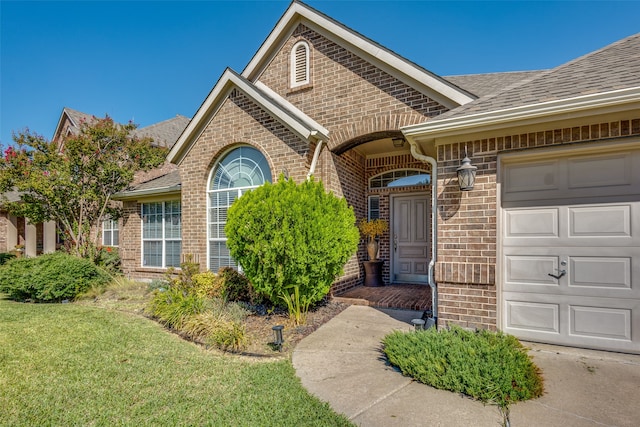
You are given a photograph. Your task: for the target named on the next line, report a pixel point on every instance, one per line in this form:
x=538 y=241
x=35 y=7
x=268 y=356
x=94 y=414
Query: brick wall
x=466 y=267
x=354 y=100
x=347 y=95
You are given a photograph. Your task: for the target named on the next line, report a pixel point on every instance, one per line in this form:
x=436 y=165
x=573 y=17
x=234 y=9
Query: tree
x=72 y=181
x=292 y=241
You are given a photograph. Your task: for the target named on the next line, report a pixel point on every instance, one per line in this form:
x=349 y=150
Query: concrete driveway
x=341 y=363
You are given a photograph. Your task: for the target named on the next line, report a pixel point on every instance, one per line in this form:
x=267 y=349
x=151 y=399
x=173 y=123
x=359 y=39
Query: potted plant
x=373 y=229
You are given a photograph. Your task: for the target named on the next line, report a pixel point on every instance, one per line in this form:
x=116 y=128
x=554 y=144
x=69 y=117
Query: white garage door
x=570 y=259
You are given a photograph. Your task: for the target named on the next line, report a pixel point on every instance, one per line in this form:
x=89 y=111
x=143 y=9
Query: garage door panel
x=600 y=322
x=600 y=171
x=608 y=324
x=531 y=270
x=533 y=177
x=531 y=316
x=600 y=221
x=606 y=273
x=533 y=223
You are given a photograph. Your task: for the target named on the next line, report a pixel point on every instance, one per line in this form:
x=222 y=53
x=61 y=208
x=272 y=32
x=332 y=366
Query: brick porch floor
x=408 y=297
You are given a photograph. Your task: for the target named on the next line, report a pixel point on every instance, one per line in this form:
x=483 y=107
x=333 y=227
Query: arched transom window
x=400 y=178
x=239 y=171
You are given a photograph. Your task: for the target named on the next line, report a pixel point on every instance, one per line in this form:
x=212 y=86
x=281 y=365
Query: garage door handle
x=562 y=273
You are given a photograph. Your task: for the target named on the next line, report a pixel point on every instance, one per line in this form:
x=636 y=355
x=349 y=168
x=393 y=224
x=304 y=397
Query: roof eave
x=581 y=106
x=213 y=102
x=149 y=192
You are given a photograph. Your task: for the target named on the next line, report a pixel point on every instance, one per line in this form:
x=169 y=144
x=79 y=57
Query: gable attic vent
x=300 y=64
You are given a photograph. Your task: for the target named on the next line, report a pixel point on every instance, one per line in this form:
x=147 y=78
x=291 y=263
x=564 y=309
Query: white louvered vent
x=300 y=64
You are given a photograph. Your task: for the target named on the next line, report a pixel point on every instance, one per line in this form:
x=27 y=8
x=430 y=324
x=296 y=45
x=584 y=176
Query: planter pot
x=372 y=249
x=373 y=273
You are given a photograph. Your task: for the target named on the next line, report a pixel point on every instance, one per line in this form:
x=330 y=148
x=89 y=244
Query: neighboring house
x=36 y=239
x=556 y=193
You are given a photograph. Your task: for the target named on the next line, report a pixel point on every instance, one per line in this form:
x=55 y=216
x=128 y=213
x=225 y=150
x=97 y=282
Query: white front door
x=571 y=250
x=410 y=239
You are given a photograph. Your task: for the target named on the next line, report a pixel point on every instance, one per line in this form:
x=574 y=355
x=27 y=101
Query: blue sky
x=147 y=61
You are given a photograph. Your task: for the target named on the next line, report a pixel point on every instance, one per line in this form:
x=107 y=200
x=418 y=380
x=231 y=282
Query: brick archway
x=367 y=129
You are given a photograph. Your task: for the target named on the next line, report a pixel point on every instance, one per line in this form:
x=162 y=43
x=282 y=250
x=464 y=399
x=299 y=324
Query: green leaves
x=72 y=181
x=49 y=278
x=292 y=241
x=489 y=366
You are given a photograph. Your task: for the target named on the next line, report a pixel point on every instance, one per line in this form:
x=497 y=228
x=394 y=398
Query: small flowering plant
x=373 y=228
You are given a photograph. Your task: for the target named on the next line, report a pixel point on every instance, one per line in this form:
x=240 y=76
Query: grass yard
x=69 y=364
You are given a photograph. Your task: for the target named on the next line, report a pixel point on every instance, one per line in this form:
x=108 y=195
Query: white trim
x=298 y=123
x=323 y=133
x=579 y=106
x=405 y=71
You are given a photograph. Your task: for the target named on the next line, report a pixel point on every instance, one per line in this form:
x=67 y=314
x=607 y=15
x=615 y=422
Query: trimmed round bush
x=292 y=241
x=50 y=278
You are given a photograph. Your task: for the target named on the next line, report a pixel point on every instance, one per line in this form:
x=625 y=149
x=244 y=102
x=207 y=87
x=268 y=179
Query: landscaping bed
x=133 y=297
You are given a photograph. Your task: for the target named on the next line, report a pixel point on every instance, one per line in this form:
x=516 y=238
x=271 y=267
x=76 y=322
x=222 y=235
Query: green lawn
x=68 y=364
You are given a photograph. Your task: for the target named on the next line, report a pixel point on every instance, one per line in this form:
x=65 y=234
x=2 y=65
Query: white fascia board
x=277 y=111
x=528 y=114
x=324 y=132
x=403 y=70
x=210 y=106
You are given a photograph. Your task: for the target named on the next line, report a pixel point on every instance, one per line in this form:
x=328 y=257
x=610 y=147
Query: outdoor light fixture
x=398 y=142
x=418 y=324
x=466 y=173
x=277 y=336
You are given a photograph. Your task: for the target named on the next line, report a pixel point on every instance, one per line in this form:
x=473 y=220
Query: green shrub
x=174 y=306
x=108 y=258
x=292 y=241
x=235 y=285
x=489 y=366
x=207 y=284
x=50 y=278
x=6 y=256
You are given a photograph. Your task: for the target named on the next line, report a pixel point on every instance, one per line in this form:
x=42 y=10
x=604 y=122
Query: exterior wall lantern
x=466 y=174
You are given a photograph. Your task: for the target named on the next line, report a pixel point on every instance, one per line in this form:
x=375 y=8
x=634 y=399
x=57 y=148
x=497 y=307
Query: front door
x=410 y=239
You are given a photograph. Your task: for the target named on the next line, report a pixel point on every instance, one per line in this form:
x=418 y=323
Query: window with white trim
x=300 y=64
x=110 y=232
x=241 y=170
x=161 y=234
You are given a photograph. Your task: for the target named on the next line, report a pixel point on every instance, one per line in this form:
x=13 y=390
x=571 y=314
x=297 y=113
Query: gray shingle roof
x=165 y=133
x=486 y=84
x=78 y=117
x=164 y=182
x=616 y=66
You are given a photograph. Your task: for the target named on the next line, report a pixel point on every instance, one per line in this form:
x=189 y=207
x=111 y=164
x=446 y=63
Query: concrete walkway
x=341 y=363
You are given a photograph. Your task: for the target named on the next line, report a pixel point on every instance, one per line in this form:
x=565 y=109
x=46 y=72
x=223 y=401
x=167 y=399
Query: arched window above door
x=400 y=178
